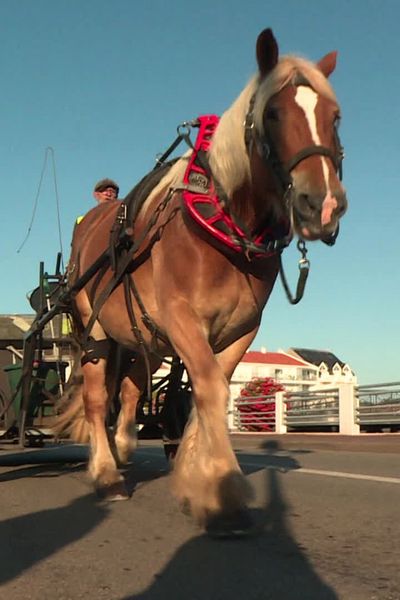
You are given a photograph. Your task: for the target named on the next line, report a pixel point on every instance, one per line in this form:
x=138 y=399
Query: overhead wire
x=49 y=151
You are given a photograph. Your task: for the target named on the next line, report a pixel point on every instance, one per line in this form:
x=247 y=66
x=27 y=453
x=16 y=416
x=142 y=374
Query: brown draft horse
x=275 y=157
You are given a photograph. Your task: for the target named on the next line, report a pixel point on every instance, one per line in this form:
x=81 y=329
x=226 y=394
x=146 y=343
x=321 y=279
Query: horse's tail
x=71 y=420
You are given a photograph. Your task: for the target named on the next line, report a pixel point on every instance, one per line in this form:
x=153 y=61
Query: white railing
x=378 y=404
x=345 y=408
x=312 y=409
x=256 y=413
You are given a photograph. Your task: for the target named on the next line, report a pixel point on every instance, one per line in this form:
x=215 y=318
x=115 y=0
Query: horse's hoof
x=235 y=525
x=113 y=492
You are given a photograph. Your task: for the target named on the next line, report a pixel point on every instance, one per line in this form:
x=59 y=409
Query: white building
x=281 y=366
x=331 y=370
x=297 y=368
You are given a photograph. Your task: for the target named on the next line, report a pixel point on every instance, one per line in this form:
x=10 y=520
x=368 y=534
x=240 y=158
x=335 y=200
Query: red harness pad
x=206 y=209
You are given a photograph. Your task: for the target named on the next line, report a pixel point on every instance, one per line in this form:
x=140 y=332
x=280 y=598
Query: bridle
x=282 y=171
x=283 y=175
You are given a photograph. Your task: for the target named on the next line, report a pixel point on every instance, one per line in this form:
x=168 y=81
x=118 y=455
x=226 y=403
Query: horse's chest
x=237 y=307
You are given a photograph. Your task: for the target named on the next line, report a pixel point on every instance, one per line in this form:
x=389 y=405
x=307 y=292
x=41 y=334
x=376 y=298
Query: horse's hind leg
x=102 y=466
x=132 y=386
x=96 y=397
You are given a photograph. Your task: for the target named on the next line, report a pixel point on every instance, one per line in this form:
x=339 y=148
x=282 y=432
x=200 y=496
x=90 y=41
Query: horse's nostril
x=307 y=203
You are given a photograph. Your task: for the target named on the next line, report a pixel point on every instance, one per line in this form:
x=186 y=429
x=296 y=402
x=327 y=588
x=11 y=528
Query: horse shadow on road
x=268 y=566
x=28 y=539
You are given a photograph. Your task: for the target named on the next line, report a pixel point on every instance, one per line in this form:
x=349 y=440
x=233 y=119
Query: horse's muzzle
x=316 y=217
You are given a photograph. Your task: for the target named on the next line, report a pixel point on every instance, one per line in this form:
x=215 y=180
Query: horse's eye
x=272 y=114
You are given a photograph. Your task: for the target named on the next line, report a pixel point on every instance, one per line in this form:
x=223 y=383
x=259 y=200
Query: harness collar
x=207 y=205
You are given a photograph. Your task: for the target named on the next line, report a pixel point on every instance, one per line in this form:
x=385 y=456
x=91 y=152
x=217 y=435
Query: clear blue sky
x=105 y=82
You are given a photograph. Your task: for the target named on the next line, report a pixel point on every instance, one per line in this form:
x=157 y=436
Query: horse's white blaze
x=307 y=99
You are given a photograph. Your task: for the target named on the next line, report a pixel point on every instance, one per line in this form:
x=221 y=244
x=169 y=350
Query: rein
x=304 y=269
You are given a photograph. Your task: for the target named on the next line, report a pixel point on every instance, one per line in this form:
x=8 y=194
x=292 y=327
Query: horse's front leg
x=206 y=473
x=102 y=466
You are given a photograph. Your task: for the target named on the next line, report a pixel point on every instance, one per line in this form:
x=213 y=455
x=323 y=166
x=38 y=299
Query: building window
x=308 y=374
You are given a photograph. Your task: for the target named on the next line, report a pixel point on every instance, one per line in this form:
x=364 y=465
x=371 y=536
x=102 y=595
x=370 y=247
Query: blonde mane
x=228 y=155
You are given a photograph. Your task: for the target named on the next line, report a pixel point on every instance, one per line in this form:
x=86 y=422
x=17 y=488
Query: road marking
x=349 y=475
x=342 y=474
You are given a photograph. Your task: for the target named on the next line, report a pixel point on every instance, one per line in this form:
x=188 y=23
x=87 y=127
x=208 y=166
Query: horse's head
x=295 y=135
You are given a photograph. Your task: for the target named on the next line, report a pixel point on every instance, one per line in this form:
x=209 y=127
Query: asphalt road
x=327 y=509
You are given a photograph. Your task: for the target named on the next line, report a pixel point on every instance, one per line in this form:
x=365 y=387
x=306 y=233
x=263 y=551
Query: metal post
x=348 y=402
x=280 y=413
x=41 y=288
x=231 y=413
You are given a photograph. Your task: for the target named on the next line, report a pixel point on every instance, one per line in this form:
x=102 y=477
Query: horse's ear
x=267 y=52
x=328 y=63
